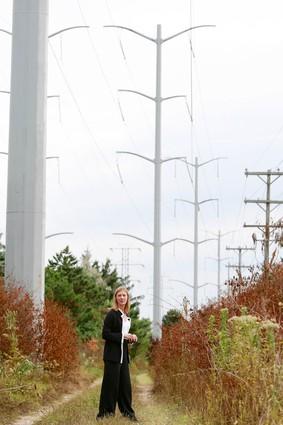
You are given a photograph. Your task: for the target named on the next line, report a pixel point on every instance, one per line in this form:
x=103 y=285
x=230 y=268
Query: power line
x=85 y=123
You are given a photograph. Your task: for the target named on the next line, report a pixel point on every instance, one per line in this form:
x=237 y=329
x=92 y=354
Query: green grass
x=83 y=410
x=143 y=379
x=21 y=401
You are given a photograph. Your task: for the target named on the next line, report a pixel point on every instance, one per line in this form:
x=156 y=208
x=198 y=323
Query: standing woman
x=116 y=384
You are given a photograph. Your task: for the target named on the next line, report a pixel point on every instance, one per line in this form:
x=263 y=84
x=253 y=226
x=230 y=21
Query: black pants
x=116 y=387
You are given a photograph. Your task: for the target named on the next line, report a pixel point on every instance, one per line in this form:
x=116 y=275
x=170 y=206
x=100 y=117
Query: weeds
x=225 y=363
x=246 y=378
x=36 y=348
x=22 y=381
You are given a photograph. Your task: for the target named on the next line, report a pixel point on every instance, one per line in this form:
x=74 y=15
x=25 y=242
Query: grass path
x=34 y=418
x=81 y=409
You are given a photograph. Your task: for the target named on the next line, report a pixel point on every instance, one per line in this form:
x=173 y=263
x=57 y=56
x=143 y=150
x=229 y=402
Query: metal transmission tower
x=188 y=284
x=125 y=260
x=27 y=147
x=196 y=241
x=265 y=228
x=239 y=266
x=157 y=161
x=219 y=259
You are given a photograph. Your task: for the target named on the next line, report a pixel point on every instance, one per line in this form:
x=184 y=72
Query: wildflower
x=269 y=325
x=244 y=320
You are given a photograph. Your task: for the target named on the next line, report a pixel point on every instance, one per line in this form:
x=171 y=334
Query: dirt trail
x=72 y=409
x=44 y=411
x=144 y=392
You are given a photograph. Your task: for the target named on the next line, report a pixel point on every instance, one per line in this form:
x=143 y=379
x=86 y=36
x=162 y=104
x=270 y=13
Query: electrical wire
x=116 y=100
x=93 y=138
x=269 y=145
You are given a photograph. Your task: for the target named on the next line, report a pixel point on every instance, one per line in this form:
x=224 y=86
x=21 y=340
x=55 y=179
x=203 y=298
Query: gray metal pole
x=196 y=241
x=218 y=264
x=27 y=148
x=219 y=259
x=157 y=195
x=196 y=207
x=157 y=161
x=240 y=262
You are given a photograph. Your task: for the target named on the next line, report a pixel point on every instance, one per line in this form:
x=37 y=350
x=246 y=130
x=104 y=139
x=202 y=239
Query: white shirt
x=126 y=325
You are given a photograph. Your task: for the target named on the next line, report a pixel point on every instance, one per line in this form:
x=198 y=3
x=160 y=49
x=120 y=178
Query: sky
x=232 y=77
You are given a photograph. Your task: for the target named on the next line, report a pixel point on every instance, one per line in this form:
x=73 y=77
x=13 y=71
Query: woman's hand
x=131 y=338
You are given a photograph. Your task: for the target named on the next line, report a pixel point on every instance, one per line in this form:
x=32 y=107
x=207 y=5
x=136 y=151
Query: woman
x=116 y=384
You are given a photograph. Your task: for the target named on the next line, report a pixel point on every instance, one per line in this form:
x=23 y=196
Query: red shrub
x=59 y=338
x=17 y=300
x=50 y=333
x=181 y=360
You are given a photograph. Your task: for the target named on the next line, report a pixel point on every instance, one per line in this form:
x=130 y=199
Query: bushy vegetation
x=246 y=369
x=22 y=377
x=172 y=316
x=39 y=347
x=86 y=289
x=15 y=300
x=58 y=339
x=81 y=290
x=225 y=363
x=36 y=348
x=46 y=335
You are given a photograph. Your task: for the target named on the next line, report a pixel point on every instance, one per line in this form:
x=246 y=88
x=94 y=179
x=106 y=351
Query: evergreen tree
x=172 y=316
x=73 y=286
x=87 y=290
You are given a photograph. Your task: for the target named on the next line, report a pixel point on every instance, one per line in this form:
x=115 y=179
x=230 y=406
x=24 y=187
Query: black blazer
x=112 y=333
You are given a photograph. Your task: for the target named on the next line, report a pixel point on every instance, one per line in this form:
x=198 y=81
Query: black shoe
x=131 y=418
x=100 y=417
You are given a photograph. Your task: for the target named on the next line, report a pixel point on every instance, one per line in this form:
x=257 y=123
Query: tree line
x=86 y=289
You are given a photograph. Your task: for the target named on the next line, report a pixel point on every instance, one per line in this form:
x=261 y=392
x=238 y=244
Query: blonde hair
x=115 y=304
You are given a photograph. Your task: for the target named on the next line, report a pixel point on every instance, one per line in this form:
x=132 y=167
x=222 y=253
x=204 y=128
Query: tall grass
x=225 y=363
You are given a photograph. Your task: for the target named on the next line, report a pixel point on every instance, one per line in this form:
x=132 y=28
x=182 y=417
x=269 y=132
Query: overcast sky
x=236 y=91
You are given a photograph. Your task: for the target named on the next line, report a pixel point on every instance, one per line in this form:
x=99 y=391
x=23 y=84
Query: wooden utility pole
x=265 y=228
x=239 y=266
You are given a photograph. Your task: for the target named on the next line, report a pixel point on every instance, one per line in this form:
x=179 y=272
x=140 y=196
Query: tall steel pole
x=27 y=148
x=218 y=264
x=157 y=191
x=196 y=243
x=219 y=259
x=157 y=161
